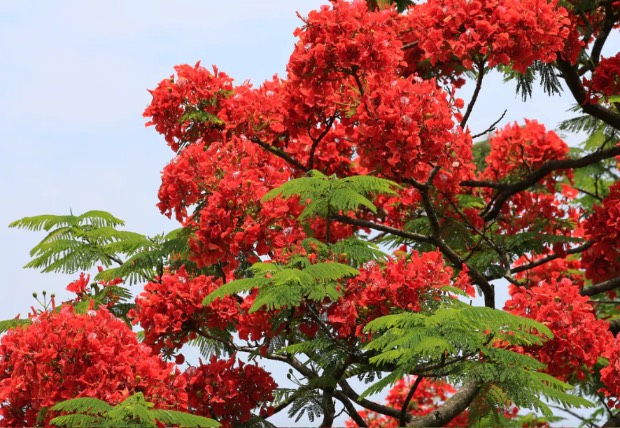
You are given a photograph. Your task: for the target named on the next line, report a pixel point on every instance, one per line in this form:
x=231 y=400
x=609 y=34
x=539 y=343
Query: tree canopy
x=337 y=223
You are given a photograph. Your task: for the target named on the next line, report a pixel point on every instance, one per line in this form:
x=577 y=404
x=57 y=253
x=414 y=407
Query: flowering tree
x=337 y=223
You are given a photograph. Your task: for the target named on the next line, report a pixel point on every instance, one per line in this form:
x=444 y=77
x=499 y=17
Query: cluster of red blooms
x=171 y=312
x=610 y=375
x=606 y=78
x=579 y=338
x=171 y=309
x=404 y=283
x=64 y=355
x=457 y=34
x=602 y=260
x=227 y=393
x=554 y=270
x=196 y=90
x=518 y=150
x=229 y=179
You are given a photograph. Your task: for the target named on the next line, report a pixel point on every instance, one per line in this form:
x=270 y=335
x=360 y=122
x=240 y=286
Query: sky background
x=74 y=85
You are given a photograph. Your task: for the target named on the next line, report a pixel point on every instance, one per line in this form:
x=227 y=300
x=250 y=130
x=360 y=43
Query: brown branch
x=490 y=128
x=614 y=326
x=403 y=412
x=351 y=410
x=550 y=258
x=316 y=141
x=279 y=153
x=474 y=97
x=493 y=208
x=453 y=407
x=415 y=237
x=601 y=287
x=573 y=81
x=367 y=404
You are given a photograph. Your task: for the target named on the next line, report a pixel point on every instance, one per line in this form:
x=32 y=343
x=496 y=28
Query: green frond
x=330 y=271
x=87 y=405
x=172 y=417
x=402 y=320
x=208 y=347
x=78 y=421
x=237 y=286
x=357 y=251
x=349 y=200
x=383 y=383
x=262 y=269
x=308 y=347
x=92 y=218
x=6 y=325
x=365 y=184
x=331 y=194
x=276 y=296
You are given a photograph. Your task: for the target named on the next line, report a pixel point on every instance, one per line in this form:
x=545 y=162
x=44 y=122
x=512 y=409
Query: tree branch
x=316 y=141
x=490 y=128
x=454 y=406
x=350 y=408
x=507 y=190
x=573 y=81
x=370 y=405
x=474 y=97
x=601 y=287
x=403 y=412
x=550 y=258
x=279 y=153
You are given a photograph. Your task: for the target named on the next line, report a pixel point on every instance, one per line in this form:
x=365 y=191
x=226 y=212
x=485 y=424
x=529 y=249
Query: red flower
x=79 y=286
x=65 y=355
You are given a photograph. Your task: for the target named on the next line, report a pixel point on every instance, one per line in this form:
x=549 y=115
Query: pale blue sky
x=74 y=78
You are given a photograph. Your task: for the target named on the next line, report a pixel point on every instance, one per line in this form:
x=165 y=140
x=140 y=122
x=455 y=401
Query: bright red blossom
x=404 y=283
x=227 y=392
x=602 y=260
x=65 y=355
x=579 y=338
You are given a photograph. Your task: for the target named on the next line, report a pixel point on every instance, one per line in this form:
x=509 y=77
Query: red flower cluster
x=227 y=393
x=404 y=283
x=517 y=150
x=327 y=76
x=169 y=310
x=453 y=34
x=579 y=338
x=602 y=260
x=610 y=375
x=64 y=355
x=555 y=270
x=606 y=78
x=186 y=109
x=406 y=128
x=229 y=178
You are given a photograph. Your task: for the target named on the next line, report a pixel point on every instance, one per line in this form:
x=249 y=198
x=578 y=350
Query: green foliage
x=287 y=286
x=77 y=243
x=14 y=323
x=134 y=411
x=465 y=343
x=480 y=151
x=525 y=81
x=332 y=195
